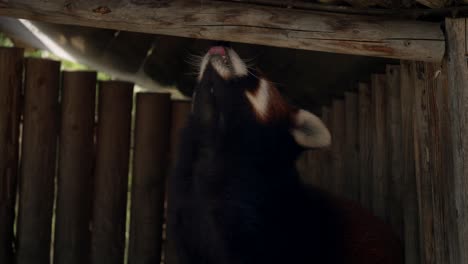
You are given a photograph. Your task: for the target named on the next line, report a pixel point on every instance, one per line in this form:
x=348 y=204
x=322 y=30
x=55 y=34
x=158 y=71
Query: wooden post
x=180 y=111
x=394 y=148
x=76 y=168
x=365 y=145
x=11 y=73
x=150 y=167
x=457 y=148
x=111 y=174
x=433 y=169
x=338 y=138
x=411 y=235
x=351 y=154
x=325 y=167
x=378 y=36
x=379 y=157
x=38 y=164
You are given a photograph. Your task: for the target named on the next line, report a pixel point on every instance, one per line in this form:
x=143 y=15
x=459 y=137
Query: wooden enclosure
x=87 y=162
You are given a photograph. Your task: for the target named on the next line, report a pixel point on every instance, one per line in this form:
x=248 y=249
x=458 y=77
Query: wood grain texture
x=11 y=74
x=150 y=169
x=325 y=167
x=409 y=197
x=457 y=98
x=394 y=148
x=38 y=161
x=337 y=120
x=111 y=173
x=76 y=168
x=365 y=145
x=432 y=174
x=351 y=152
x=435 y=3
x=380 y=182
x=254 y=24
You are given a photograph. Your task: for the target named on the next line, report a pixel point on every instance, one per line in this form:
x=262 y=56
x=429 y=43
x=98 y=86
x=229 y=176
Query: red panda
x=235 y=196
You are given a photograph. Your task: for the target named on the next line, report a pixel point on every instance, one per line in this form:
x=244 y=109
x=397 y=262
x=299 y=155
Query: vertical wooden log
x=365 y=145
x=152 y=125
x=431 y=138
x=338 y=137
x=38 y=165
x=351 y=160
x=111 y=173
x=180 y=112
x=325 y=167
x=76 y=168
x=11 y=73
x=379 y=135
x=411 y=235
x=457 y=148
x=394 y=147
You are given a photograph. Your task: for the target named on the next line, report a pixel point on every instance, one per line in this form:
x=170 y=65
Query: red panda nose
x=217 y=50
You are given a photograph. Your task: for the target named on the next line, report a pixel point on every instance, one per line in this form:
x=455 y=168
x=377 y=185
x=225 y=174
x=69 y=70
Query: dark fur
x=235 y=196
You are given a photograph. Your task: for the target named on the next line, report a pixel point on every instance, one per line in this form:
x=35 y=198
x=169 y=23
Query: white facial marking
x=222 y=70
x=310 y=131
x=227 y=67
x=260 y=98
x=240 y=69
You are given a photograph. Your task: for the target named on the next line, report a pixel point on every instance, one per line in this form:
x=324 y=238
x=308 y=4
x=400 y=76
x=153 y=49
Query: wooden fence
x=75 y=153
x=399 y=149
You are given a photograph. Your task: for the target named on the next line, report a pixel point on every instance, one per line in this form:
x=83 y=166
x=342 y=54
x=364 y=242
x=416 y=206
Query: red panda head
x=232 y=97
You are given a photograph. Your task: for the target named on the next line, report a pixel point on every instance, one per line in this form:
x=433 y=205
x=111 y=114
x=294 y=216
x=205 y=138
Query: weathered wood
x=111 y=173
x=325 y=167
x=338 y=138
x=411 y=236
x=394 y=148
x=379 y=148
x=180 y=112
x=432 y=171
x=150 y=168
x=254 y=24
x=434 y=3
x=365 y=145
x=11 y=73
x=351 y=154
x=458 y=149
x=38 y=161
x=76 y=168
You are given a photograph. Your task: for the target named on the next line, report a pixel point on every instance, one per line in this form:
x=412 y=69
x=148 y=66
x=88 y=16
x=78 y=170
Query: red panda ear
x=309 y=131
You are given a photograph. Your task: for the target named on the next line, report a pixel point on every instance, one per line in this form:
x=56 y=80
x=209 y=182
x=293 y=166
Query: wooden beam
x=411 y=235
x=365 y=144
x=394 y=148
x=457 y=72
x=379 y=149
x=432 y=161
x=150 y=167
x=11 y=72
x=337 y=120
x=245 y=23
x=75 y=168
x=38 y=161
x=351 y=158
x=111 y=172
